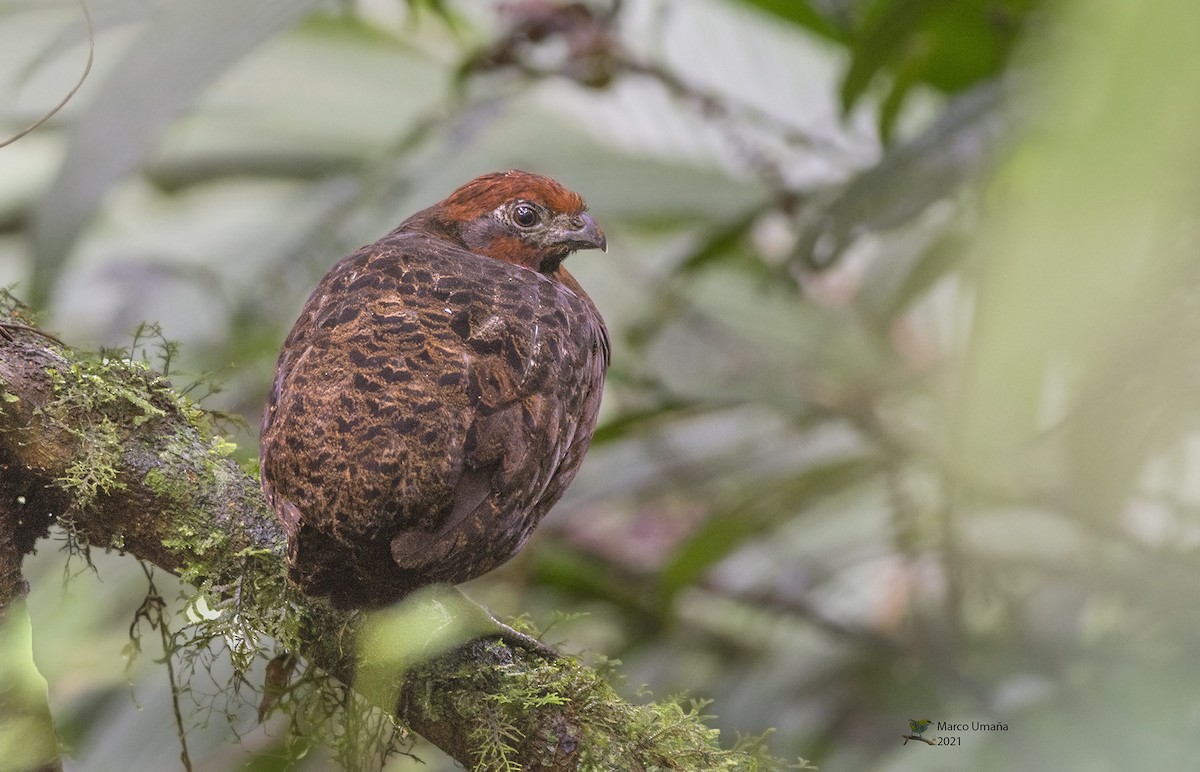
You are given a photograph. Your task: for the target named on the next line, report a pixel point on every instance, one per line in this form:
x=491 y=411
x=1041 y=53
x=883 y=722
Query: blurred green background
x=902 y=419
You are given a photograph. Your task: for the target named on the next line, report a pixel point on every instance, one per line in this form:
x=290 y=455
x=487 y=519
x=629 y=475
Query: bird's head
x=515 y=216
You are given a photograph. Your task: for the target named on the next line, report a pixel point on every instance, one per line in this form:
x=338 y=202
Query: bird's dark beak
x=582 y=232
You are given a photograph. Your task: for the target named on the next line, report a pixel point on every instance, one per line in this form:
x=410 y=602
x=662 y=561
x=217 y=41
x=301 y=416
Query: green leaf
x=802 y=13
x=949 y=46
x=884 y=32
x=722 y=244
x=634 y=422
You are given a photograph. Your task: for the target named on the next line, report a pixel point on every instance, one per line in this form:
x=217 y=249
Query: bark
x=110 y=452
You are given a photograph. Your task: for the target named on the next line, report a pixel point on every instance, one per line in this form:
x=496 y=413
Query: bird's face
x=521 y=218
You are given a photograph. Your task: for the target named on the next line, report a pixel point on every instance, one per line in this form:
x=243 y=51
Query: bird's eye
x=525 y=216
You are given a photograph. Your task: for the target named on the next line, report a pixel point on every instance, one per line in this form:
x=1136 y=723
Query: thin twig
x=154 y=603
x=87 y=69
x=5 y=333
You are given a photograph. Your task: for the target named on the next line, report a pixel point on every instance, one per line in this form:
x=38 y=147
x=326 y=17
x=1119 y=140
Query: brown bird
x=437 y=394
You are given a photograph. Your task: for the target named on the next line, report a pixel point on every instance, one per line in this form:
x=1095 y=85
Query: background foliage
x=902 y=417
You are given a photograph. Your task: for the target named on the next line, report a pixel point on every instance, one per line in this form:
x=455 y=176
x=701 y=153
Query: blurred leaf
x=801 y=12
x=27 y=737
x=437 y=7
x=721 y=244
x=584 y=575
x=909 y=177
x=767 y=316
x=74 y=32
x=883 y=32
x=631 y=422
x=180 y=52
x=764 y=505
x=893 y=284
x=407 y=634
x=1085 y=231
x=740 y=339
x=949 y=46
x=1133 y=401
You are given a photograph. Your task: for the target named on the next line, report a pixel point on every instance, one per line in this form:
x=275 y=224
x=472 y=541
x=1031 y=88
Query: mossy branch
x=111 y=451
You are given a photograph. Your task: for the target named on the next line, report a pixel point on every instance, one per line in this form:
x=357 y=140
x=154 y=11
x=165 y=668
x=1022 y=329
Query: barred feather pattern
x=430 y=405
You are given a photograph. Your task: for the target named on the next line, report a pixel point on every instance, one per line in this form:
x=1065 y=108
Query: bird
x=436 y=395
x=918 y=726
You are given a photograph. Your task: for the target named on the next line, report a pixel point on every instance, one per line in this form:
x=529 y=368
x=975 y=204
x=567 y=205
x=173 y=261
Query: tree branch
x=110 y=452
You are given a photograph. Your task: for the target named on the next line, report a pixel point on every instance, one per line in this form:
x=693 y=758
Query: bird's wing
x=377 y=393
x=535 y=354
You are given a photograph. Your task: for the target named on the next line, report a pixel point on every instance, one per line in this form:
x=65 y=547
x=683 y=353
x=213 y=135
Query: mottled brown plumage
x=437 y=394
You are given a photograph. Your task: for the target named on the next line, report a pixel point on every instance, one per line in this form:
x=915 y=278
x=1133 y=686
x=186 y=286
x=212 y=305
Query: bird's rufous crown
x=487 y=192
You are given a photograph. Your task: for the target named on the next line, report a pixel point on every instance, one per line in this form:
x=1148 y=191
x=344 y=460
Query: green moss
x=222 y=447
x=162 y=484
x=103 y=384
x=94 y=468
x=614 y=733
x=94 y=400
x=244 y=593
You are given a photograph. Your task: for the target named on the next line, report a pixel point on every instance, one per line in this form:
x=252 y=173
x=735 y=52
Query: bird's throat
x=550 y=264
